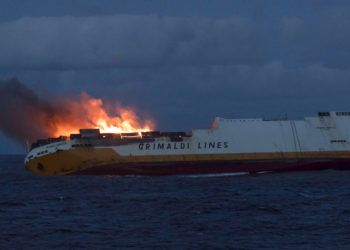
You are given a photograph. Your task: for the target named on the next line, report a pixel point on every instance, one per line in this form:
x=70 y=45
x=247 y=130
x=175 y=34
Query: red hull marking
x=171 y=168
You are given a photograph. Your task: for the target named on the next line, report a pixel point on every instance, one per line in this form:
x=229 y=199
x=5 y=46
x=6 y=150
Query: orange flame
x=88 y=112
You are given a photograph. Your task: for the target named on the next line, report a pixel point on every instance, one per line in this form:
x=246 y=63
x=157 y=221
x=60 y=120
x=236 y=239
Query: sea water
x=297 y=210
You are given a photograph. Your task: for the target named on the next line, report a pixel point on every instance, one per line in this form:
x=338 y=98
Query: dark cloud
x=185 y=63
x=124 y=41
x=63 y=43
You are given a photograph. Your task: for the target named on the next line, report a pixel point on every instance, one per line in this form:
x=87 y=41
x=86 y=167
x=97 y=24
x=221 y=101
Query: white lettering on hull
x=181 y=145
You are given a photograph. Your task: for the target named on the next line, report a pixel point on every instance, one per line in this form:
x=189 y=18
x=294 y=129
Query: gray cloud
x=185 y=70
x=63 y=43
x=126 y=41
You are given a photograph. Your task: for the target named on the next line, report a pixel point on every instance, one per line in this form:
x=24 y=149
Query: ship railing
x=43 y=142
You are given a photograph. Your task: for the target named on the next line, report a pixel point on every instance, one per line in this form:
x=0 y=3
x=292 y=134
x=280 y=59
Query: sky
x=185 y=61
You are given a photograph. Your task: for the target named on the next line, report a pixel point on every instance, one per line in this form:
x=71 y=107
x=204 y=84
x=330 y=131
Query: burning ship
x=229 y=145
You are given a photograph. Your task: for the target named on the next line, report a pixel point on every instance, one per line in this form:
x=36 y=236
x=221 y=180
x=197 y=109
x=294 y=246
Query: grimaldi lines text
x=229 y=145
x=182 y=145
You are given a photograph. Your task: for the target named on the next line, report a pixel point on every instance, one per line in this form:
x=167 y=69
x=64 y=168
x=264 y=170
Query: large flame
x=27 y=117
x=88 y=112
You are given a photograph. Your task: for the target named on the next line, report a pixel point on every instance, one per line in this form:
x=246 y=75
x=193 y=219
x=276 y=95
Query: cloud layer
x=148 y=40
x=185 y=70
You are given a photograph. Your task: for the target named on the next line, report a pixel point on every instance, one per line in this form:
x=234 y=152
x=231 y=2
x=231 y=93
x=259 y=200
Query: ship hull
x=105 y=161
x=229 y=146
x=215 y=167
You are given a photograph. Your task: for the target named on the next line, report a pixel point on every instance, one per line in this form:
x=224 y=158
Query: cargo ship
x=228 y=146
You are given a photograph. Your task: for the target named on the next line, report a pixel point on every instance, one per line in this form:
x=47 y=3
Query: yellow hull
x=77 y=160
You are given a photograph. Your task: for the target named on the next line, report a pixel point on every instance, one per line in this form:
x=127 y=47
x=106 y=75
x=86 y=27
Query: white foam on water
x=215 y=175
x=263 y=172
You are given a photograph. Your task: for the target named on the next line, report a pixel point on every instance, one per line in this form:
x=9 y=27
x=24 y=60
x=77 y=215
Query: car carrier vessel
x=228 y=146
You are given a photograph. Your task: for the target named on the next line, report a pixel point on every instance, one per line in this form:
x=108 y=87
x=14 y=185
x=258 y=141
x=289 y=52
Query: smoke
x=24 y=116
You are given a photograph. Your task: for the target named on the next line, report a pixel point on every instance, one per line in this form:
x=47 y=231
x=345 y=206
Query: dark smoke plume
x=23 y=115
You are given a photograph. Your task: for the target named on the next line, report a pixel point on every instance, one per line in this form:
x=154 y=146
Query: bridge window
x=342 y=113
x=324 y=114
x=338 y=141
